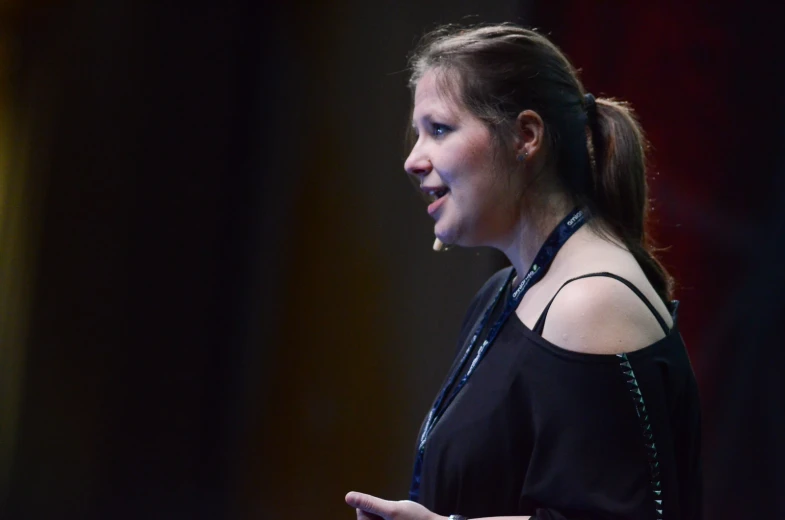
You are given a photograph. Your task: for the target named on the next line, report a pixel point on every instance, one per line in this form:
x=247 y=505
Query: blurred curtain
x=14 y=276
x=23 y=142
x=130 y=196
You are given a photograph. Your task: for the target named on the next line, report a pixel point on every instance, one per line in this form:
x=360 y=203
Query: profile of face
x=474 y=197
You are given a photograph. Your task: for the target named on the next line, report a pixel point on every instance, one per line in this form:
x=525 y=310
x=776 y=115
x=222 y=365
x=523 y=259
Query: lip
x=434 y=206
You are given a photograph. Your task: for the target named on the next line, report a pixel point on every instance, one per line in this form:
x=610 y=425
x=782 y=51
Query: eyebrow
x=430 y=117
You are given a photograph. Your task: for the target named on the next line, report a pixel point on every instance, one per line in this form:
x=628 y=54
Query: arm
x=606 y=447
x=372 y=508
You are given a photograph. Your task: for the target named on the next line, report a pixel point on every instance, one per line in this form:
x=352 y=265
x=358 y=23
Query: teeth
x=435 y=193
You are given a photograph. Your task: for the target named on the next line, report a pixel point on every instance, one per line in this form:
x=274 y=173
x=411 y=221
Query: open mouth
x=437 y=193
x=436 y=196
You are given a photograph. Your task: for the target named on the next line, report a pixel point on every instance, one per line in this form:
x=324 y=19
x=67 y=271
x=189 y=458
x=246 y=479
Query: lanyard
x=566 y=228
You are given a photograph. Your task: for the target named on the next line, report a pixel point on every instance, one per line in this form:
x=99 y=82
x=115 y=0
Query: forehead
x=433 y=96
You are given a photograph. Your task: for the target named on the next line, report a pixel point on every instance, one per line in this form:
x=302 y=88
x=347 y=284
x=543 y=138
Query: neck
x=531 y=231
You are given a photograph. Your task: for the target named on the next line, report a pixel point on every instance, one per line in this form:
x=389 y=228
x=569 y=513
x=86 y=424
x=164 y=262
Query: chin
x=445 y=236
x=453 y=237
x=449 y=236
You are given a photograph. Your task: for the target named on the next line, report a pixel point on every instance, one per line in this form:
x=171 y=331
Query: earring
x=523 y=156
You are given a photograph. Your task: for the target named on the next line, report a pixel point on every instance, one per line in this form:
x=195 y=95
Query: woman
x=572 y=396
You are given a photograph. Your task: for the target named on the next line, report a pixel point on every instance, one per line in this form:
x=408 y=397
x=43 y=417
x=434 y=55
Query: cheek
x=478 y=153
x=468 y=162
x=483 y=173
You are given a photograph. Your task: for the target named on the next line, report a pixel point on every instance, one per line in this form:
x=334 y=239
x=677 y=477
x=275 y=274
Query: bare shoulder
x=601 y=315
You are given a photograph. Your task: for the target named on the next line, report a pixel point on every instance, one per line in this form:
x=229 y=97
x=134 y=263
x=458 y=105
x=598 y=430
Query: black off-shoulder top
x=539 y=430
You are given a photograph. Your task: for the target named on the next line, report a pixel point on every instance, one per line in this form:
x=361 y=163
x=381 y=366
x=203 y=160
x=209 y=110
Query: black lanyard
x=539 y=267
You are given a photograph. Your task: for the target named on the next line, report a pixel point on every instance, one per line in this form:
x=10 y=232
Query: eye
x=438 y=130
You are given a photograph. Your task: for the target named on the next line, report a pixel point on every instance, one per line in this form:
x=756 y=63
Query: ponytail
x=618 y=194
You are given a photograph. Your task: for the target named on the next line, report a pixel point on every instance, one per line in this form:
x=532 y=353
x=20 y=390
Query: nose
x=417 y=163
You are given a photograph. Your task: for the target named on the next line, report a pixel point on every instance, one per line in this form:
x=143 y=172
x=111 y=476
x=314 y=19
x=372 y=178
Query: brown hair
x=501 y=70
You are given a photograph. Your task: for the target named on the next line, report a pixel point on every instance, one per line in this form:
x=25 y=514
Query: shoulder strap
x=540 y=325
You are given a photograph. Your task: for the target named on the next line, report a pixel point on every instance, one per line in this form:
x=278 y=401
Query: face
x=474 y=195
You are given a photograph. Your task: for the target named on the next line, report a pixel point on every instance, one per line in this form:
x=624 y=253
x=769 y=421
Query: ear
x=529 y=133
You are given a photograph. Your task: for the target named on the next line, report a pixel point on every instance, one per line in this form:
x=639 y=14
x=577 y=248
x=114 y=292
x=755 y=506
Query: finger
x=364 y=515
x=370 y=504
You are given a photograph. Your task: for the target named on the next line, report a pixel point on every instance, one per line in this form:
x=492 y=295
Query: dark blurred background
x=218 y=297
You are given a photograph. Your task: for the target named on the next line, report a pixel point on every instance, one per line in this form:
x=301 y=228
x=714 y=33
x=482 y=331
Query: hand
x=372 y=508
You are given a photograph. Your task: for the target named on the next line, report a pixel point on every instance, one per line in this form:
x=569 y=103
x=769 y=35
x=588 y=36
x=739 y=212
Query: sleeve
x=603 y=449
